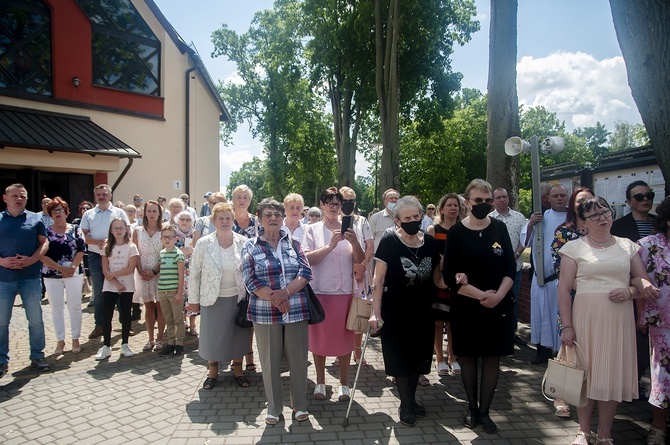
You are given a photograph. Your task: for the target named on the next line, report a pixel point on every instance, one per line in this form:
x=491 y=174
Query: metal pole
x=538 y=248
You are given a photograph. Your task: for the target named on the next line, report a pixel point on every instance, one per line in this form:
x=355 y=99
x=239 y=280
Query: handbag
x=359 y=314
x=316 y=312
x=566 y=380
x=241 y=316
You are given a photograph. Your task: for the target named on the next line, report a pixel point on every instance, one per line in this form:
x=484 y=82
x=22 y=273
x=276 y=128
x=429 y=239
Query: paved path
x=157 y=400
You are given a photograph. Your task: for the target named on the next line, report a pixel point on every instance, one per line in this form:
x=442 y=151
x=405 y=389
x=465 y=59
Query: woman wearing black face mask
x=482 y=306
x=405 y=269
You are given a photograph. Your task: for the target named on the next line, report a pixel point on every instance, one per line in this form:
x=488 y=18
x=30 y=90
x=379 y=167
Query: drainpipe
x=123 y=173
x=187 y=180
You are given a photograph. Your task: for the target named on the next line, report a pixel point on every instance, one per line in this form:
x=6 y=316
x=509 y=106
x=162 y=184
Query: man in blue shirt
x=24 y=241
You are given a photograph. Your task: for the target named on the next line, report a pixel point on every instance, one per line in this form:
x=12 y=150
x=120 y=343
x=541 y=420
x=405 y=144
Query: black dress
x=486 y=257
x=408 y=332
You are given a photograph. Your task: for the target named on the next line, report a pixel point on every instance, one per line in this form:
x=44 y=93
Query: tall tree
x=503 y=103
x=340 y=53
x=627 y=135
x=643 y=31
x=413 y=42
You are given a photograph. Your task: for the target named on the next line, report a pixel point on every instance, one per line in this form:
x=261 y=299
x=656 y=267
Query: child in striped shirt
x=171 y=291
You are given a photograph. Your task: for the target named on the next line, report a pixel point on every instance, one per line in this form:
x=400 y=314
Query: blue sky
x=568 y=60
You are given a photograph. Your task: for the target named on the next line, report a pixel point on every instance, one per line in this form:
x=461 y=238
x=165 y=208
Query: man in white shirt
x=384 y=219
x=44 y=214
x=515 y=222
x=95 y=225
x=544 y=299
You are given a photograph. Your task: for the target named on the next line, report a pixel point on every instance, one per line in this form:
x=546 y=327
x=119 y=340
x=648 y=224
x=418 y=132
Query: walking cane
x=345 y=422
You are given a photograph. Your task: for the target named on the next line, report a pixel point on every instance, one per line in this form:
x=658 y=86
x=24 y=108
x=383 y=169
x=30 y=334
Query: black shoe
x=642 y=391
x=519 y=341
x=40 y=365
x=542 y=357
x=489 y=425
x=471 y=419
x=4 y=369
x=418 y=410
x=178 y=350
x=167 y=350
x=407 y=417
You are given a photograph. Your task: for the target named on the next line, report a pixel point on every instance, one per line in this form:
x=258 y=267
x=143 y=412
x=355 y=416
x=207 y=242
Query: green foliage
x=627 y=135
x=525 y=202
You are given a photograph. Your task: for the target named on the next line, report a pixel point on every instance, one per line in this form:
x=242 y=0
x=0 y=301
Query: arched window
x=126 y=53
x=25 y=47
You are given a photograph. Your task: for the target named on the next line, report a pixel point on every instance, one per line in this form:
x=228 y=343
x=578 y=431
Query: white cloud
x=234 y=79
x=580 y=89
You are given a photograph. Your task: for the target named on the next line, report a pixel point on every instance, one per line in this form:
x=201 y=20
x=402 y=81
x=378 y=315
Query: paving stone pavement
x=147 y=399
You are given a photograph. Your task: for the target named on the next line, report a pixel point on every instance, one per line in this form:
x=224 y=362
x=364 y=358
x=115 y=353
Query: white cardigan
x=206 y=270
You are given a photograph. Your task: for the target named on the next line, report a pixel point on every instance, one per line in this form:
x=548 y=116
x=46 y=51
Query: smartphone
x=346 y=222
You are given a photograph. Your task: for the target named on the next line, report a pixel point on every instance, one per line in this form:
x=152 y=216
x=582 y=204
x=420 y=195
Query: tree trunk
x=502 y=108
x=387 y=92
x=643 y=31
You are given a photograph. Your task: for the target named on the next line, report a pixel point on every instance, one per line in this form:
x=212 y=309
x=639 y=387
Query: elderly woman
x=184 y=231
x=293 y=204
x=655 y=253
x=215 y=288
x=332 y=255
x=450 y=209
x=174 y=208
x=275 y=272
x=601 y=267
x=314 y=215
x=406 y=262
x=62 y=273
x=479 y=268
x=204 y=225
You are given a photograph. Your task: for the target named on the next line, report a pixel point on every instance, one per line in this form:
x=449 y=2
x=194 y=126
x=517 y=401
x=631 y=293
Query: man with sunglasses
x=544 y=299
x=638 y=224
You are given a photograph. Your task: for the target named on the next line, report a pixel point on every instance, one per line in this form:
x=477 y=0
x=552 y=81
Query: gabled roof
x=193 y=53
x=43 y=130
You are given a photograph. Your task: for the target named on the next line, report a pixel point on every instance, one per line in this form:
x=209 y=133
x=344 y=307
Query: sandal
x=159 y=346
x=562 y=411
x=149 y=346
x=242 y=381
x=210 y=382
x=192 y=332
x=301 y=416
x=251 y=367
x=423 y=380
x=582 y=438
x=272 y=420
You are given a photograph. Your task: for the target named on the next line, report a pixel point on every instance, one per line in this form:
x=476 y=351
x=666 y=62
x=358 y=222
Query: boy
x=171 y=291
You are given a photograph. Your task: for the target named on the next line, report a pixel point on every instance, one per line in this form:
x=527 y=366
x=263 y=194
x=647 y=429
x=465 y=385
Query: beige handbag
x=359 y=314
x=566 y=379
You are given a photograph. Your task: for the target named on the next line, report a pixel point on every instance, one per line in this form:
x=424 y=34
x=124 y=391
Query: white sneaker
x=125 y=350
x=103 y=353
x=442 y=369
x=455 y=368
x=344 y=394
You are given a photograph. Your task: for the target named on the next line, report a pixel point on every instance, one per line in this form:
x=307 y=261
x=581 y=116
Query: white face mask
x=390 y=206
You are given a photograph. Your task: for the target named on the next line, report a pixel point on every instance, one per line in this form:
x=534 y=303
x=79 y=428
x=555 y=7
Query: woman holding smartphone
x=332 y=253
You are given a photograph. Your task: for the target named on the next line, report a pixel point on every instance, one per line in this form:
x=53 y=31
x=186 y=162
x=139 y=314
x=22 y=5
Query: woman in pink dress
x=332 y=255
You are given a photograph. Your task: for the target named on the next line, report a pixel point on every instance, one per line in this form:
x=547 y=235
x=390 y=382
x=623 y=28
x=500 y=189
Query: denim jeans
x=98 y=279
x=31 y=296
x=516 y=291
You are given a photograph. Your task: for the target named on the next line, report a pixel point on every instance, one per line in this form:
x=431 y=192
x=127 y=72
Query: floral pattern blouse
x=250 y=231
x=655 y=253
x=563 y=234
x=63 y=248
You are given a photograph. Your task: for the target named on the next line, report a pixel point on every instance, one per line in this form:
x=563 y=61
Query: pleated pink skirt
x=331 y=338
x=606 y=333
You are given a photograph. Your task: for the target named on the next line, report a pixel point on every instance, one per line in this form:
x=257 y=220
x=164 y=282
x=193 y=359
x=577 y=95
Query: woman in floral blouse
x=569 y=230
x=655 y=253
x=62 y=273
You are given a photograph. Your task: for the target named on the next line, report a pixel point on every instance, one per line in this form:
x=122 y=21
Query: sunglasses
x=480 y=200
x=639 y=197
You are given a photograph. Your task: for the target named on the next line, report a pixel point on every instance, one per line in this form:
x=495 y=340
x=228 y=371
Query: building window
x=126 y=53
x=25 y=46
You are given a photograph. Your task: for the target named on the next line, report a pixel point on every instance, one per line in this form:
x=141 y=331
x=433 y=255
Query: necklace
x=601 y=245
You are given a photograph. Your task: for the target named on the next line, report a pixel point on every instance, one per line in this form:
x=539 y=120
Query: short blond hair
x=221 y=207
x=242 y=188
x=294 y=197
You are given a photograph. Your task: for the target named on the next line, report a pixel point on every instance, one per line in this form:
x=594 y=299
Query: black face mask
x=411 y=228
x=348 y=207
x=480 y=211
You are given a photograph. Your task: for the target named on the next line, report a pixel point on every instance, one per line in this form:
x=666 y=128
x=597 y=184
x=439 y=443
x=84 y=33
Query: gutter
x=187 y=176
x=123 y=173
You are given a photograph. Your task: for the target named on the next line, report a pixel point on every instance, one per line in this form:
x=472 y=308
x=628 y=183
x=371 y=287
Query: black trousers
x=110 y=300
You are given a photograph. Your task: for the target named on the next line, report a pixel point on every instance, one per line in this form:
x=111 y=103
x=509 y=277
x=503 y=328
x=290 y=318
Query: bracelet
x=567 y=326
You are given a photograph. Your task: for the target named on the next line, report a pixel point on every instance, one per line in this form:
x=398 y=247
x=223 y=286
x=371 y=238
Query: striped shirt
x=169 y=277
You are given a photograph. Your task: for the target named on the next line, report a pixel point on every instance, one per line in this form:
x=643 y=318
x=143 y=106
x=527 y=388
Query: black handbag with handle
x=241 y=317
x=316 y=312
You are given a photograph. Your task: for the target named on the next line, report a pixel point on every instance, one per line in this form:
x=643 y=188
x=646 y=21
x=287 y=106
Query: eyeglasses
x=596 y=216
x=431 y=208
x=118 y=229
x=86 y=208
x=334 y=205
x=168 y=237
x=58 y=211
x=185 y=219
x=480 y=200
x=639 y=197
x=270 y=215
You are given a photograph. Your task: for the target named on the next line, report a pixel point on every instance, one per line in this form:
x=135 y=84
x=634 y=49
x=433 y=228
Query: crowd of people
x=447 y=272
